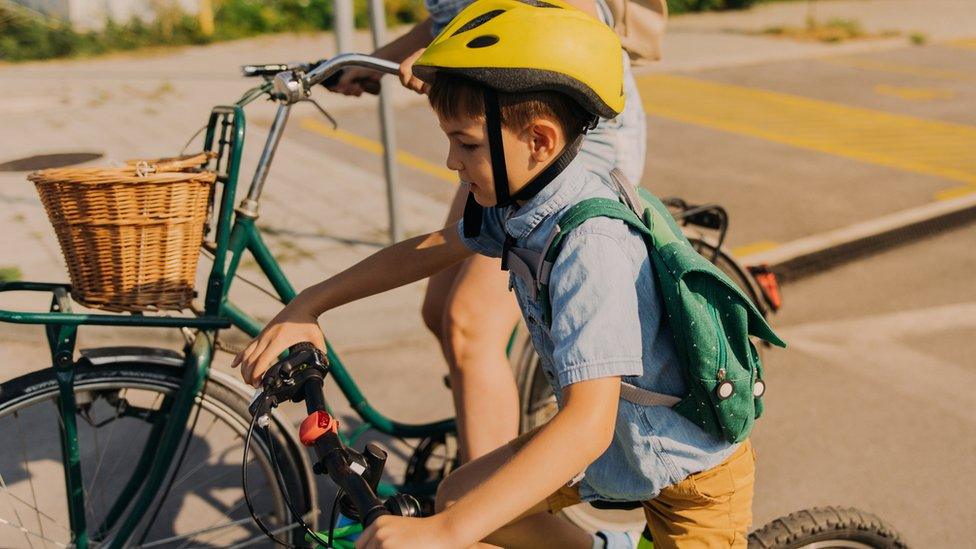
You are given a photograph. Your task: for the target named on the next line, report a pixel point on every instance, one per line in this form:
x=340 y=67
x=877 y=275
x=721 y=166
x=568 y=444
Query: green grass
x=832 y=31
x=10 y=274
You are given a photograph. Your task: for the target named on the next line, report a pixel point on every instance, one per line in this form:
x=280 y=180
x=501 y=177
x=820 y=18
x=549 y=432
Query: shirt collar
x=552 y=198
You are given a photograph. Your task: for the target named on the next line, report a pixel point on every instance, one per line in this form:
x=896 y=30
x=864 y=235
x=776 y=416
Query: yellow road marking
x=897 y=141
x=375 y=147
x=963 y=44
x=754 y=248
x=914 y=94
x=955 y=192
x=899 y=68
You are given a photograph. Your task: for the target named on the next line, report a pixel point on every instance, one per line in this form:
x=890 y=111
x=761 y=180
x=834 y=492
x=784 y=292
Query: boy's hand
x=407 y=78
x=292 y=325
x=393 y=532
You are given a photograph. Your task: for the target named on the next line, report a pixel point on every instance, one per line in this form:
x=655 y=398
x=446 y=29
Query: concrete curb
x=814 y=254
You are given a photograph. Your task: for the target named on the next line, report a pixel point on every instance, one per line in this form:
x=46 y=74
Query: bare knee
x=432 y=311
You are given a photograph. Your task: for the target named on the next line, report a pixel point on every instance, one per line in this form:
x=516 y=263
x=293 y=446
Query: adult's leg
x=535 y=528
x=439 y=286
x=478 y=320
x=471 y=311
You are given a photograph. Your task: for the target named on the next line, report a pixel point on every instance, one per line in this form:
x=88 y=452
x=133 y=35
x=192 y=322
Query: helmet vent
x=539 y=4
x=483 y=41
x=478 y=21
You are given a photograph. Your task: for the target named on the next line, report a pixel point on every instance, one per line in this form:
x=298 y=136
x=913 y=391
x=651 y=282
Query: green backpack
x=710 y=317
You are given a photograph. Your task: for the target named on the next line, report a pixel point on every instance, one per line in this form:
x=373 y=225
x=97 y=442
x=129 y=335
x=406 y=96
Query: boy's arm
x=391 y=267
x=574 y=438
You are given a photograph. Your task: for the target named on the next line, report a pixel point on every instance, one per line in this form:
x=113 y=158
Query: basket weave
x=131 y=240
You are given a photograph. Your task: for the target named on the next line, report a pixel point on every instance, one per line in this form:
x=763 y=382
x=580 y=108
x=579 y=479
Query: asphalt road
x=871 y=405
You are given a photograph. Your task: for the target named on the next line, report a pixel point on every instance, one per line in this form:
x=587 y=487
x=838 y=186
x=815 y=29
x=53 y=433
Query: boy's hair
x=458 y=97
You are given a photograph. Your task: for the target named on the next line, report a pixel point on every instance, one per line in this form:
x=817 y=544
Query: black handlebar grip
x=303 y=346
x=369 y=85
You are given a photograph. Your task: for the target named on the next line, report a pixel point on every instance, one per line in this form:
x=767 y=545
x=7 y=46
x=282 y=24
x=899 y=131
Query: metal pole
x=377 y=17
x=343 y=25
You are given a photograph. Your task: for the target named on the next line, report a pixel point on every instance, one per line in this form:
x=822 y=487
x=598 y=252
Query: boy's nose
x=452 y=163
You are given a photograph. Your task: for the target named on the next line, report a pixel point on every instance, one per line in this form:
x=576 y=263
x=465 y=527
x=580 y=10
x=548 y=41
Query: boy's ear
x=545 y=139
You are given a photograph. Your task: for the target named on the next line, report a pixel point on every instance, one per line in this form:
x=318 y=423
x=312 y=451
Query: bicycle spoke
x=30 y=482
x=204 y=462
x=263 y=538
x=43 y=514
x=231 y=511
x=27 y=534
x=188 y=536
x=10 y=496
x=101 y=455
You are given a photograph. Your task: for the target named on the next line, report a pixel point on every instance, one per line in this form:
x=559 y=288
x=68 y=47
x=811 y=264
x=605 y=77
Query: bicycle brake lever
x=325 y=113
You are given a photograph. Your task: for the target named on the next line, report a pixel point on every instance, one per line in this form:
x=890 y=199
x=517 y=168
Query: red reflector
x=316 y=425
x=766 y=279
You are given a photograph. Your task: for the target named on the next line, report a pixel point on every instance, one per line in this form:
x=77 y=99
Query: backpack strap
x=574 y=217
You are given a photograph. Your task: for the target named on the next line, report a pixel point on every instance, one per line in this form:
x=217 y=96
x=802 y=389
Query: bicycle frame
x=235 y=233
x=244 y=235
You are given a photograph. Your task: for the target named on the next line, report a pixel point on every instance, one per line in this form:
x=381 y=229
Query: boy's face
x=526 y=153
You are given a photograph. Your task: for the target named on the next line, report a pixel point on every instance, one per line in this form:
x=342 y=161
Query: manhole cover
x=44 y=161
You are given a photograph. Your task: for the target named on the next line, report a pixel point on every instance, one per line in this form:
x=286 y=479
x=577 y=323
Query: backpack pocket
x=711 y=320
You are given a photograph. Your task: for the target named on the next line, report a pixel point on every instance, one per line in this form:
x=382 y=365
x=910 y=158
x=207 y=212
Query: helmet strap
x=474 y=212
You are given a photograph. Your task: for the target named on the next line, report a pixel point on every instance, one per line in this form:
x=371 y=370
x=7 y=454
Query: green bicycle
x=148 y=442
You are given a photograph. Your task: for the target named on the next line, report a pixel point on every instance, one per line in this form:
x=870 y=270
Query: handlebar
x=300 y=377
x=292 y=86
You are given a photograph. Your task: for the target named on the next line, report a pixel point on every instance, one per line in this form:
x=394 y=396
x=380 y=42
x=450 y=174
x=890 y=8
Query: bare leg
x=439 y=286
x=534 y=529
x=477 y=317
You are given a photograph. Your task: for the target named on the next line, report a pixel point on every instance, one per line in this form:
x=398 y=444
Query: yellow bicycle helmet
x=531 y=45
x=518 y=46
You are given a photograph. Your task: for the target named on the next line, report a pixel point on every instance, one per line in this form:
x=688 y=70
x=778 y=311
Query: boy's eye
x=469 y=146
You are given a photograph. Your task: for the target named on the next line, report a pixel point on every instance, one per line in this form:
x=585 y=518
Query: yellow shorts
x=706 y=510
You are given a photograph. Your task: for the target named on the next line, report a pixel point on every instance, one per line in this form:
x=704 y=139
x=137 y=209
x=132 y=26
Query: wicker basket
x=185 y=163
x=131 y=240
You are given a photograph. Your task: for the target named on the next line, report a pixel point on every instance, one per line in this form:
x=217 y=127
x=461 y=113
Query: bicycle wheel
x=827 y=528
x=538 y=404
x=118 y=404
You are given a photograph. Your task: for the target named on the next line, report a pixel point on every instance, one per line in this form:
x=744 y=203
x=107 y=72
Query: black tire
x=208 y=478
x=537 y=403
x=827 y=527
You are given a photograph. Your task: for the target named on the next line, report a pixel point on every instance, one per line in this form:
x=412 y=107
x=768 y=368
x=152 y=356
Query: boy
x=515 y=85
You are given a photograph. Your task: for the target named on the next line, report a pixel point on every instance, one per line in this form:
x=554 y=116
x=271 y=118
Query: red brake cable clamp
x=316 y=425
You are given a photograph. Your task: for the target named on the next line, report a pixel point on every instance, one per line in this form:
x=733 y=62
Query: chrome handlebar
x=293 y=86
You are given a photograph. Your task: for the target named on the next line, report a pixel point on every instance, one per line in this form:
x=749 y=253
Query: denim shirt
x=606 y=321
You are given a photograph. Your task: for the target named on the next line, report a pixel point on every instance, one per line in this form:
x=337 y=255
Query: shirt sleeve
x=596 y=331
x=492 y=236
x=443 y=11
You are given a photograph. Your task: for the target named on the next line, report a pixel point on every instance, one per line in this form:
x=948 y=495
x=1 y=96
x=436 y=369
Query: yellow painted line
x=375 y=147
x=899 y=68
x=963 y=44
x=908 y=143
x=914 y=94
x=955 y=192
x=754 y=248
